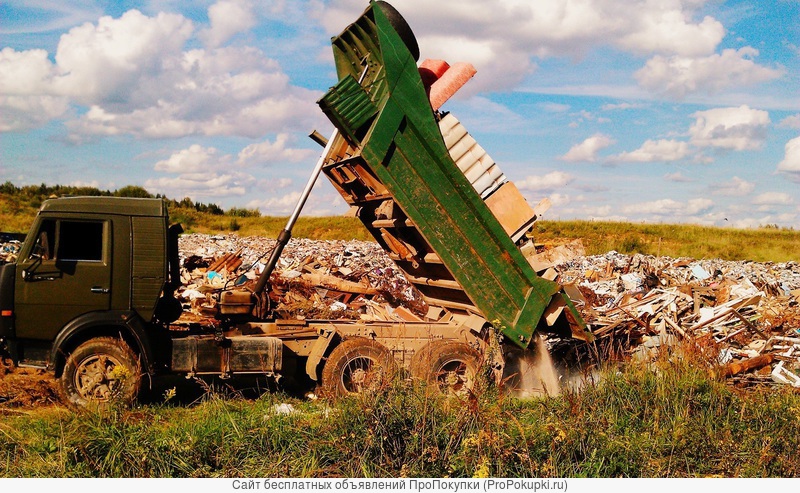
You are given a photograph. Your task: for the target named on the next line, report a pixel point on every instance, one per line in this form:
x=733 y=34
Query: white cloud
x=320 y=203
x=23 y=73
x=551 y=181
x=655 y=150
x=678 y=178
x=80 y=183
x=588 y=149
x=59 y=15
x=195 y=159
x=677 y=76
x=792 y=121
x=200 y=185
x=206 y=172
x=110 y=62
x=773 y=198
x=200 y=172
x=601 y=213
x=27 y=99
x=756 y=222
x=666 y=29
x=559 y=199
x=669 y=208
x=19 y=113
x=551 y=107
x=791 y=160
x=739 y=128
x=227 y=18
x=621 y=106
x=505 y=36
x=282 y=205
x=735 y=187
x=270 y=152
x=135 y=76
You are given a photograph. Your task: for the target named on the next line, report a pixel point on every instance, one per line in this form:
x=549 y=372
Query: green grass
x=675 y=240
x=321 y=228
x=675 y=420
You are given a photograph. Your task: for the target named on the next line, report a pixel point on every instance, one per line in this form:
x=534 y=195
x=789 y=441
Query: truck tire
x=401 y=26
x=450 y=367
x=101 y=372
x=357 y=365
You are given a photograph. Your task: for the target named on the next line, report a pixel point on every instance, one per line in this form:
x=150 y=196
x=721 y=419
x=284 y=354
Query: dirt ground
x=25 y=388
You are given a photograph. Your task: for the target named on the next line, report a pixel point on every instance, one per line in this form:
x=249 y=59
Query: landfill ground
x=746 y=315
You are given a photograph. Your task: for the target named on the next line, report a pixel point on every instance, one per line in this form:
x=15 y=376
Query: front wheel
x=357 y=365
x=101 y=371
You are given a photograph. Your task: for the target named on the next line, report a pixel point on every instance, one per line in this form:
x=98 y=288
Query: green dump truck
x=91 y=295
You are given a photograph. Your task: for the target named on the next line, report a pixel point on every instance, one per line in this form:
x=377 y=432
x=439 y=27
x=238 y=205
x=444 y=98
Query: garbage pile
x=312 y=280
x=10 y=243
x=749 y=310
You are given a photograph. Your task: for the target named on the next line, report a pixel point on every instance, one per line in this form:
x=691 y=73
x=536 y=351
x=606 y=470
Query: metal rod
x=285 y=235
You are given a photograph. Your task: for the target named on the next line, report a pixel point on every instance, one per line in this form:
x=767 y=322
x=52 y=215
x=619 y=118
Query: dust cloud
x=532 y=373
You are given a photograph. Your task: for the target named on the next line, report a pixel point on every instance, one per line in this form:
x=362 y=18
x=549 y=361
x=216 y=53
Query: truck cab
x=89 y=266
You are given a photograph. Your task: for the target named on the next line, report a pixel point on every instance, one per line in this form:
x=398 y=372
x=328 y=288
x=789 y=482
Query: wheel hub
x=360 y=375
x=455 y=377
x=94 y=378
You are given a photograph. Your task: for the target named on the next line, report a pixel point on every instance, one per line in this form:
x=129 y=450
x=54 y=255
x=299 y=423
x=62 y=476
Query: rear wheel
x=101 y=371
x=451 y=367
x=357 y=365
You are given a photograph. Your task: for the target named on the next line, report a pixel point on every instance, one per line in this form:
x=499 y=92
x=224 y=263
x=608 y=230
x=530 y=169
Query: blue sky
x=647 y=111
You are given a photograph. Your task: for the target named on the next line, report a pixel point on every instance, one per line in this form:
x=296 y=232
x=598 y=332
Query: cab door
x=64 y=274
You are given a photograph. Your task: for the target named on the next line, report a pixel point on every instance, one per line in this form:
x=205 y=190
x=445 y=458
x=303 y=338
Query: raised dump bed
x=389 y=160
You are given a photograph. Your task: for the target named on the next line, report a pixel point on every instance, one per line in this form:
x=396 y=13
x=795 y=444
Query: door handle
x=99 y=290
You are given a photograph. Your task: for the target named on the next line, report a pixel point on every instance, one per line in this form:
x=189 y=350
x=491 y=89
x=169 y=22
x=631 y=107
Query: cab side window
x=80 y=240
x=69 y=241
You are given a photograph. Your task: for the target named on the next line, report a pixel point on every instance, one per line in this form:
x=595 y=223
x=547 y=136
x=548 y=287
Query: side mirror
x=41 y=250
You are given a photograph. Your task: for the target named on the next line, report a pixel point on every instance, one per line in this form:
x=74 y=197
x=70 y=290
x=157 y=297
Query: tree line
x=34 y=195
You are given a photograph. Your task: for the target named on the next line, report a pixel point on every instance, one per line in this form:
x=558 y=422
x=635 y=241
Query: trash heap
x=749 y=311
x=312 y=280
x=10 y=244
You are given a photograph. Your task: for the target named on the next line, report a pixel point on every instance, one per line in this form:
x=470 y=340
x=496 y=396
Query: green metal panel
x=149 y=263
x=404 y=151
x=349 y=105
x=107 y=205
